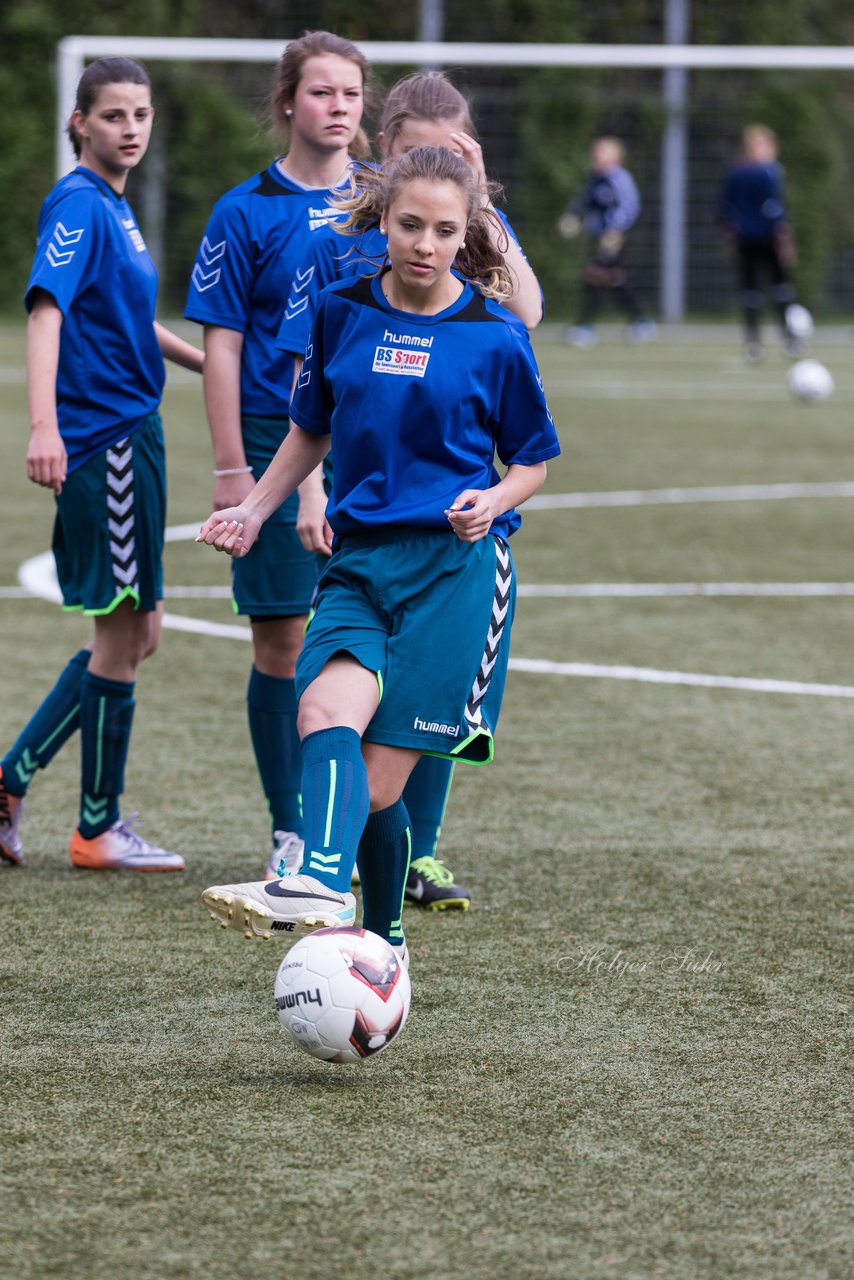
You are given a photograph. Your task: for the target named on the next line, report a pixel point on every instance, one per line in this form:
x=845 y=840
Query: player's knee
x=277 y=646
x=383 y=794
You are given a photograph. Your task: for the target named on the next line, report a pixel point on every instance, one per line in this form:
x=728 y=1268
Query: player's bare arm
x=312 y=526
x=177 y=350
x=235 y=529
x=472 y=514
x=221 y=381
x=46 y=456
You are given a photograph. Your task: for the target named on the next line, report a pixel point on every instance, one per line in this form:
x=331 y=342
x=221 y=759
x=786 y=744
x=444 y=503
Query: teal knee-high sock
x=48 y=729
x=272 y=704
x=384 y=853
x=335 y=804
x=426 y=798
x=106 y=716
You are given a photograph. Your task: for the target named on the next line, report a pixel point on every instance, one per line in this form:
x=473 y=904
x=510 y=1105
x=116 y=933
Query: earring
x=288 y=111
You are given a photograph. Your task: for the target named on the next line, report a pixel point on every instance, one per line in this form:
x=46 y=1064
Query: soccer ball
x=798 y=321
x=810 y=380
x=342 y=994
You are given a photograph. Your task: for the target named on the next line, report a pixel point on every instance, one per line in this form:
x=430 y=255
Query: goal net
x=536 y=108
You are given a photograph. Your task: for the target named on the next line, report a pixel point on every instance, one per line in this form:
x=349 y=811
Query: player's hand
x=47 y=461
x=232 y=491
x=313 y=528
x=611 y=242
x=569 y=225
x=233 y=530
x=471 y=514
x=472 y=152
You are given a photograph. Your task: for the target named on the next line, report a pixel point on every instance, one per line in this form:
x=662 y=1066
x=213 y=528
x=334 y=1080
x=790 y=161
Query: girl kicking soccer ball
x=416 y=379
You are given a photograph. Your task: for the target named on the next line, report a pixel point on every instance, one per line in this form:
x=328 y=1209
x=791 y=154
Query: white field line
x=649 y=675
x=703 y=493
x=647 y=590
x=38 y=578
x=719 y=389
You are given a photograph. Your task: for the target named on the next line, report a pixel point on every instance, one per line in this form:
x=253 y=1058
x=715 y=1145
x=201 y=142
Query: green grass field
x=628 y=1060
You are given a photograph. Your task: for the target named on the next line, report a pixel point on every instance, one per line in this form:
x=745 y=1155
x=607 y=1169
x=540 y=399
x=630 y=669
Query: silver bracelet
x=233 y=471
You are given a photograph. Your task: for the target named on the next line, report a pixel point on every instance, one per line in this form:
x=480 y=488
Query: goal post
x=672 y=231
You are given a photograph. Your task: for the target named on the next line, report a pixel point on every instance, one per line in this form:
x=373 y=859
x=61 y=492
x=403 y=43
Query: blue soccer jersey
x=418 y=406
x=92 y=260
x=332 y=257
x=608 y=202
x=258 y=235
x=752 y=200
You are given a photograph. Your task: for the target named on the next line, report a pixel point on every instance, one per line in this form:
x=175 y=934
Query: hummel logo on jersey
x=209 y=254
x=320 y=217
x=58 y=254
x=397 y=360
x=305 y=372
x=433 y=726
x=135 y=234
x=299 y=284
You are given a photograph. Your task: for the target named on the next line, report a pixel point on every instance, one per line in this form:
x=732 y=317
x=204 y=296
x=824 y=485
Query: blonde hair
x=616 y=145
x=426 y=95
x=760 y=133
x=314 y=44
x=480 y=258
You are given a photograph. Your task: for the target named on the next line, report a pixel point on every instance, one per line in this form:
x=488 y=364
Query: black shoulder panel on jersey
x=360 y=291
x=268 y=186
x=475 y=310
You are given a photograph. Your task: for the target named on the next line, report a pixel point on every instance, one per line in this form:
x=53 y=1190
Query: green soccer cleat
x=430 y=884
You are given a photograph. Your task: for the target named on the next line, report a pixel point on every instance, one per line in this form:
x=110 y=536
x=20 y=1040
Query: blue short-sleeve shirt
x=418 y=407
x=92 y=260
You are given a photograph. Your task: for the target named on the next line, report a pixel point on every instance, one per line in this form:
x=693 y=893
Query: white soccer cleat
x=120 y=848
x=264 y=907
x=11 y=809
x=286 y=858
x=401 y=950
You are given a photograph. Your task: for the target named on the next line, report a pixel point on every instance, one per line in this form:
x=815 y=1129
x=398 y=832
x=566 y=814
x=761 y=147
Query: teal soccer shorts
x=109 y=526
x=277 y=578
x=431 y=615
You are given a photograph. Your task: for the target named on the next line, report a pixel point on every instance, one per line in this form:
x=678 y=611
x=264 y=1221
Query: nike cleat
x=286 y=858
x=11 y=808
x=120 y=848
x=261 y=908
x=430 y=884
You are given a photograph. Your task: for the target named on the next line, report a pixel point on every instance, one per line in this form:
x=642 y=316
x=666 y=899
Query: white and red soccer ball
x=342 y=994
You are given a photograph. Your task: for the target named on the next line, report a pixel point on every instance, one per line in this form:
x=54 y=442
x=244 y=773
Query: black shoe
x=431 y=885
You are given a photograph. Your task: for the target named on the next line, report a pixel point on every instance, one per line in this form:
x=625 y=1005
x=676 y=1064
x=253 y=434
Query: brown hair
x=426 y=95
x=99 y=73
x=480 y=259
x=314 y=44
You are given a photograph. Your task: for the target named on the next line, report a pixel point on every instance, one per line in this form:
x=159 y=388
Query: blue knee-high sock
x=335 y=804
x=48 y=729
x=384 y=852
x=426 y=798
x=272 y=703
x=106 y=715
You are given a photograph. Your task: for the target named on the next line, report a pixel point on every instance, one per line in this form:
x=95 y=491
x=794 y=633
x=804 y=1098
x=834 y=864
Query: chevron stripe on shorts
x=497 y=623
x=120 y=519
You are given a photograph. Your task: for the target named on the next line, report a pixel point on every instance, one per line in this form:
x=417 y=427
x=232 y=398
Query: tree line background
x=535 y=125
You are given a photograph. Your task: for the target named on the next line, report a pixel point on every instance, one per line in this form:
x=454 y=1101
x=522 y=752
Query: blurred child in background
x=605 y=210
x=752 y=212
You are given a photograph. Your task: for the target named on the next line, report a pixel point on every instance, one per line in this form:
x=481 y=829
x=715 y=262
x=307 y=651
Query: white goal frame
x=674 y=59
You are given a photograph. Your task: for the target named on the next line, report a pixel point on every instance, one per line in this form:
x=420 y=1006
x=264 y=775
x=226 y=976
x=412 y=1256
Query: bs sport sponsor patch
x=135 y=234
x=411 y=358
